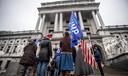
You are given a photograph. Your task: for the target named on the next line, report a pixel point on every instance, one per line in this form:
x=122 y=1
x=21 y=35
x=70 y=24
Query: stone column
x=81 y=23
x=38 y=23
x=93 y=26
x=56 y=23
x=100 y=19
x=81 y=20
x=61 y=22
x=95 y=20
x=42 y=23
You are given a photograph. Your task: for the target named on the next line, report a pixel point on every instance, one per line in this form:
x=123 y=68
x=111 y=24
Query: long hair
x=66 y=34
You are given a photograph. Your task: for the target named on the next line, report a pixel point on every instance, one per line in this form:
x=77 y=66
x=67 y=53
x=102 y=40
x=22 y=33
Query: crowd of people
x=38 y=59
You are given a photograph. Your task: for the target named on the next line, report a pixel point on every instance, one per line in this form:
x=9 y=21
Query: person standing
x=28 y=60
x=98 y=58
x=57 y=61
x=44 y=56
x=82 y=68
x=66 y=64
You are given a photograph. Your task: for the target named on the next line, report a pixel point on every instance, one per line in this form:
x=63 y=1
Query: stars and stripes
x=88 y=56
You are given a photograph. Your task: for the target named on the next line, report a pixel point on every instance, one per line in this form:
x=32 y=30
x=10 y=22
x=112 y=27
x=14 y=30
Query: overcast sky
x=17 y=15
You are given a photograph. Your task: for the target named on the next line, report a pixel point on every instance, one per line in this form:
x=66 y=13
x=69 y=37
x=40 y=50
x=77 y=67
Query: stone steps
x=109 y=71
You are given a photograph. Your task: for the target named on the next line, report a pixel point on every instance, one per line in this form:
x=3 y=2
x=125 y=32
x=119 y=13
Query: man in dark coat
x=98 y=58
x=44 y=56
x=28 y=60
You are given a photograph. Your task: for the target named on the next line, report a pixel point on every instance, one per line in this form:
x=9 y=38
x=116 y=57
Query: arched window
x=126 y=36
x=8 y=48
x=117 y=36
x=14 y=51
x=1 y=48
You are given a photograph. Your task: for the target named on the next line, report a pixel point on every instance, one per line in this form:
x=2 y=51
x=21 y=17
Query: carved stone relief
x=115 y=46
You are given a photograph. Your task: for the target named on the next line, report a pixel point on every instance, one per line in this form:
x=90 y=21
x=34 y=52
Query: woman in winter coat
x=81 y=67
x=66 y=64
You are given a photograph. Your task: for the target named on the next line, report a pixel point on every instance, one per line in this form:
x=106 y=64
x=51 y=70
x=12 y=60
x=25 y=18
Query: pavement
x=109 y=71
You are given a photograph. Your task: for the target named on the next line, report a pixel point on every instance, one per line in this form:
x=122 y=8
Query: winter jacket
x=45 y=50
x=97 y=55
x=65 y=44
x=29 y=56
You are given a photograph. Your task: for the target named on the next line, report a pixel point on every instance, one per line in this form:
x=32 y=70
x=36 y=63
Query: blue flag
x=74 y=28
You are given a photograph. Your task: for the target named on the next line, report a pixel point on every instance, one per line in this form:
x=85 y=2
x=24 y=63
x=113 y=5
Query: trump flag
x=74 y=28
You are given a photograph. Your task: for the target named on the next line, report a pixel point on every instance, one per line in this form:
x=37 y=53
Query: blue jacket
x=97 y=55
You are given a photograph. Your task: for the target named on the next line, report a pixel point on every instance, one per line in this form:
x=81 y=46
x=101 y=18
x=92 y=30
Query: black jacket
x=97 y=55
x=29 y=56
x=45 y=50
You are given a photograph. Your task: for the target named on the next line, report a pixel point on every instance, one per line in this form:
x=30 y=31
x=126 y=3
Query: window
x=17 y=41
x=24 y=40
x=66 y=29
x=1 y=63
x=67 y=21
x=10 y=41
x=4 y=41
x=86 y=29
x=1 y=48
x=50 y=31
x=8 y=49
x=125 y=36
x=7 y=64
x=14 y=51
x=52 y=23
x=117 y=36
x=84 y=20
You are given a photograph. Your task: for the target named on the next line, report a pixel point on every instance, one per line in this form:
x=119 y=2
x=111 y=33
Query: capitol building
x=53 y=20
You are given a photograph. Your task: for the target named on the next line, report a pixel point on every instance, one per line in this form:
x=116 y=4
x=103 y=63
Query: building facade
x=54 y=19
x=115 y=44
x=11 y=49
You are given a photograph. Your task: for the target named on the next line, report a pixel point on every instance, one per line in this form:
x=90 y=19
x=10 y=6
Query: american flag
x=86 y=51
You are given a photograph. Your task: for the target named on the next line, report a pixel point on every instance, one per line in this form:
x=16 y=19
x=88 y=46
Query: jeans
x=25 y=70
x=42 y=68
x=56 y=72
